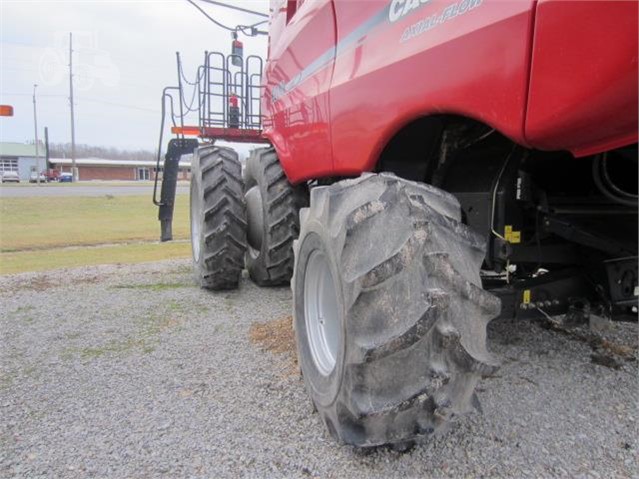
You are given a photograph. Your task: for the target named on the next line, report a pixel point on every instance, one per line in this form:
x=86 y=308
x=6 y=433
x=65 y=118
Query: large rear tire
x=218 y=218
x=273 y=205
x=390 y=316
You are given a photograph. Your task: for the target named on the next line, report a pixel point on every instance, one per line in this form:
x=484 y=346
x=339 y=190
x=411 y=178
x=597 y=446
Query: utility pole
x=35 y=124
x=73 y=168
x=47 y=164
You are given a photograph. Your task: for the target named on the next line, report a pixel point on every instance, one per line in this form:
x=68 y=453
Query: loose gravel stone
x=132 y=371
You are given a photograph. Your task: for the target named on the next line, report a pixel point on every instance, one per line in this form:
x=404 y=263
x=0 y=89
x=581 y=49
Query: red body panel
x=344 y=76
x=297 y=124
x=583 y=86
x=462 y=67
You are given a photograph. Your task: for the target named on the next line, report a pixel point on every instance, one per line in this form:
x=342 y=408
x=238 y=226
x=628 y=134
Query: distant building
x=21 y=157
x=103 y=169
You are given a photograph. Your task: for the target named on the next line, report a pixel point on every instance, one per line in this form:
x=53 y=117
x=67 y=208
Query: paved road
x=135 y=372
x=80 y=190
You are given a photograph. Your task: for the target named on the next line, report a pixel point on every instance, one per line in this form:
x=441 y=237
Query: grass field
x=36 y=233
x=42 y=260
x=85 y=183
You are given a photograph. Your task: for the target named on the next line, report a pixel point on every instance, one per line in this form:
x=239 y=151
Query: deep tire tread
x=273 y=265
x=413 y=334
x=415 y=368
x=223 y=216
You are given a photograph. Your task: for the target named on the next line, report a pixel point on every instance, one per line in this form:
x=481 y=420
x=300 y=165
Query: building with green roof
x=21 y=157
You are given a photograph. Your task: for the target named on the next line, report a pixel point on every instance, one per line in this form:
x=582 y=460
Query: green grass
x=145 y=336
x=36 y=233
x=39 y=223
x=43 y=260
x=23 y=184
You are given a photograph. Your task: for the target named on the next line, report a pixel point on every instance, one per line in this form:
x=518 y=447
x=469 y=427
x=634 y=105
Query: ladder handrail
x=217 y=79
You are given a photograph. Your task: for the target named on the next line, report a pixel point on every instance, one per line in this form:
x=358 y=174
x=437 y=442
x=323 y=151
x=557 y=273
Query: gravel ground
x=131 y=371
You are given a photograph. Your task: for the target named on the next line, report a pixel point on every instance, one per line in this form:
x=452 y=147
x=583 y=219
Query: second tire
x=273 y=205
x=218 y=218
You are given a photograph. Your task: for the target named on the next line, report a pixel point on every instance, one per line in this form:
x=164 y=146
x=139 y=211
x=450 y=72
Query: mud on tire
x=273 y=214
x=401 y=352
x=218 y=218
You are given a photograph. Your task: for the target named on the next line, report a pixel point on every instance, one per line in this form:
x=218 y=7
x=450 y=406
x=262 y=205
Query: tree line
x=63 y=150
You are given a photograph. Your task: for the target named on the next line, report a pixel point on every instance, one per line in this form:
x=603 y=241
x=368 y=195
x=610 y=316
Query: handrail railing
x=219 y=79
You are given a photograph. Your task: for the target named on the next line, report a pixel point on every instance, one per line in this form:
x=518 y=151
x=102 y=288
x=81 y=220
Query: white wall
x=25 y=165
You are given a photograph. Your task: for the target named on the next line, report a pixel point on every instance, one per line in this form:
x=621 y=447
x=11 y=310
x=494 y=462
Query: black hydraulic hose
x=165 y=94
x=610 y=183
x=494 y=193
x=252 y=29
x=612 y=195
x=198 y=76
x=195 y=85
x=241 y=28
x=181 y=92
x=189 y=108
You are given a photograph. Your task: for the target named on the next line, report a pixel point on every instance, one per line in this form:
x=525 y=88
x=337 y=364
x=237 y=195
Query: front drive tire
x=273 y=205
x=218 y=218
x=390 y=316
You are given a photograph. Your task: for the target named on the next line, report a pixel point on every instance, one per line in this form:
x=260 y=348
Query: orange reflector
x=6 y=110
x=185 y=130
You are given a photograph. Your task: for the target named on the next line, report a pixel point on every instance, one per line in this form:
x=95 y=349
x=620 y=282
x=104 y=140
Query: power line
x=121 y=105
x=252 y=30
x=29 y=94
x=84 y=98
x=203 y=12
x=253 y=12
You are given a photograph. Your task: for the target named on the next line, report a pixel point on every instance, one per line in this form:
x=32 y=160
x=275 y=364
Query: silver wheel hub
x=321 y=313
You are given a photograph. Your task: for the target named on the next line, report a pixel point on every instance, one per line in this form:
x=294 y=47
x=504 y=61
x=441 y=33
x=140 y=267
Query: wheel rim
x=322 y=321
x=195 y=219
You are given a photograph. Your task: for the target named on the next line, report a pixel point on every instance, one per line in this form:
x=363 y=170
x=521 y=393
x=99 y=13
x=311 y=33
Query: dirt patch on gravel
x=275 y=336
x=606 y=351
x=41 y=283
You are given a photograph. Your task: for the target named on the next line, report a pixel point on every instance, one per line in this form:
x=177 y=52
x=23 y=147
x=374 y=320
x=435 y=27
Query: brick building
x=103 y=169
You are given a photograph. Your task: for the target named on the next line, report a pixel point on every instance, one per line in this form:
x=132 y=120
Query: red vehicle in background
x=45 y=176
x=51 y=175
x=430 y=164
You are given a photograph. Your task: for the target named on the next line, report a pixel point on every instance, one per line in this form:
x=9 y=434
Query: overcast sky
x=125 y=57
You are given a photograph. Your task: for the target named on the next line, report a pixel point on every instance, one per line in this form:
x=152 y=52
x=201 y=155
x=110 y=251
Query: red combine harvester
x=429 y=165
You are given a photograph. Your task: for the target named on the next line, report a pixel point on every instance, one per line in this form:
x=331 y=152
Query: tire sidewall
x=323 y=389
x=247 y=173
x=255 y=258
x=196 y=213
